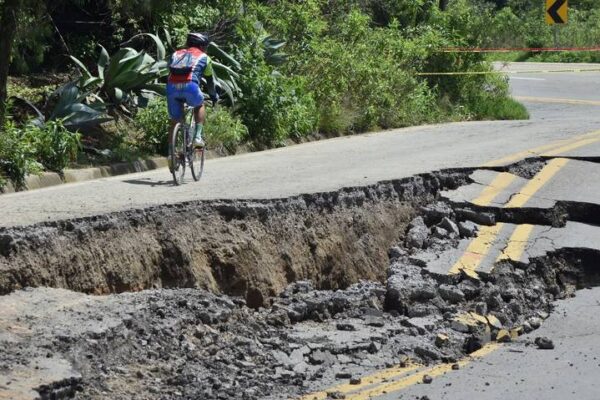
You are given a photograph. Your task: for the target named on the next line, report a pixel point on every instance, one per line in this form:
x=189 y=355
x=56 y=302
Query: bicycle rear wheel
x=178 y=154
x=197 y=163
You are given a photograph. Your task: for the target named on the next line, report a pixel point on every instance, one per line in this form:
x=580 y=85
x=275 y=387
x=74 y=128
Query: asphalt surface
x=348 y=161
x=560 y=181
x=521 y=370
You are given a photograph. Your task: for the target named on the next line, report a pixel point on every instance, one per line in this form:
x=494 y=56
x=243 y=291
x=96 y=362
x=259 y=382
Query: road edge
x=48 y=179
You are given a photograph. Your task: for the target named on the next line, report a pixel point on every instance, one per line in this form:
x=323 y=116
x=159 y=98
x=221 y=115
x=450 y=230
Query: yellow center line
x=535 y=184
x=479 y=247
x=571 y=146
x=418 y=377
x=469 y=262
x=375 y=379
x=548 y=149
x=476 y=251
x=501 y=182
x=517 y=243
x=553 y=100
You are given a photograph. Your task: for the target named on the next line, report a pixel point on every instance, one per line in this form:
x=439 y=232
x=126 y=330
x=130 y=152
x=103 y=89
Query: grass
x=504 y=108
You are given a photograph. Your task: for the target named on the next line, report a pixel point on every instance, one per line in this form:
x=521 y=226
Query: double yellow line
x=551 y=149
x=480 y=247
x=398 y=378
x=395 y=379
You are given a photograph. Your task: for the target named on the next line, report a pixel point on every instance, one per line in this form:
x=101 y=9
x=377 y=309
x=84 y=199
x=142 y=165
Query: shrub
x=223 y=131
x=275 y=108
x=363 y=78
x=53 y=144
x=493 y=102
x=17 y=156
x=153 y=124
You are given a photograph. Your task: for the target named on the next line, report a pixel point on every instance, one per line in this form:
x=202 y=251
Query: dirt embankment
x=252 y=249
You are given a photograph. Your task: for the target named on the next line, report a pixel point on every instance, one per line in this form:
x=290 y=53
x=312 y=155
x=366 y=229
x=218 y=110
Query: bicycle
x=183 y=151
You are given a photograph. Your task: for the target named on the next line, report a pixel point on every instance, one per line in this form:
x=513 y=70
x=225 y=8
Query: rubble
x=544 y=343
x=190 y=343
x=417 y=234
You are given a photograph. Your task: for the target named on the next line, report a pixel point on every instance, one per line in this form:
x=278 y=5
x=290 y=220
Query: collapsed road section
x=280 y=299
x=252 y=249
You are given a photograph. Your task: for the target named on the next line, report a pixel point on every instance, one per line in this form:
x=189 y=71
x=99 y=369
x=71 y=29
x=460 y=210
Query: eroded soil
x=261 y=300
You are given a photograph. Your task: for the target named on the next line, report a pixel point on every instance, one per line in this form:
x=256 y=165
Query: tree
x=8 y=28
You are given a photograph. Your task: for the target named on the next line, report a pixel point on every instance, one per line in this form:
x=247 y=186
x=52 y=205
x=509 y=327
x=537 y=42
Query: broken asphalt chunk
x=544 y=343
x=467 y=229
x=417 y=234
x=481 y=218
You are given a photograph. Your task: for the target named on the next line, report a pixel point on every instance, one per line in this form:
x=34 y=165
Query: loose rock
x=503 y=336
x=467 y=229
x=417 y=234
x=451 y=293
x=441 y=340
x=544 y=343
x=449 y=226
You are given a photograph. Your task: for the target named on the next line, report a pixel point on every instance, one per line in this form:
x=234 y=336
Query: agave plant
x=127 y=77
x=130 y=76
x=70 y=104
x=226 y=76
x=271 y=48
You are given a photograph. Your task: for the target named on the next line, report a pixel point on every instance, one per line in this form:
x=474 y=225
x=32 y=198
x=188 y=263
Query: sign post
x=557 y=12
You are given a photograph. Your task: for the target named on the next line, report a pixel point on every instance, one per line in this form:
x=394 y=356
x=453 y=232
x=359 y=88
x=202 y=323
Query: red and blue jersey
x=189 y=65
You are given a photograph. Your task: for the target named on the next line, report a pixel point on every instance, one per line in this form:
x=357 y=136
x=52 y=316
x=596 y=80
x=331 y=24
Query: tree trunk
x=444 y=4
x=8 y=28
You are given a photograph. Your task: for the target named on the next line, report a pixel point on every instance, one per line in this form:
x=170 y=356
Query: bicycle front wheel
x=178 y=146
x=197 y=163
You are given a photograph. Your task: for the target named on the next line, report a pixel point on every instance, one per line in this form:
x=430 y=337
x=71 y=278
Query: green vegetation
x=521 y=24
x=224 y=132
x=152 y=123
x=32 y=148
x=286 y=70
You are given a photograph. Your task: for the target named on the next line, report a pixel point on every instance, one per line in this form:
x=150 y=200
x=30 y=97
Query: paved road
x=555 y=128
x=520 y=370
x=561 y=180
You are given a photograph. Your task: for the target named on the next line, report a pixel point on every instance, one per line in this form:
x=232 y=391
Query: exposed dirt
x=527 y=168
x=190 y=344
x=261 y=299
x=252 y=249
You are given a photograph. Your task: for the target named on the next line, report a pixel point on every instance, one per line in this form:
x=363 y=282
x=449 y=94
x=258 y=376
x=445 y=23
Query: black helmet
x=197 y=40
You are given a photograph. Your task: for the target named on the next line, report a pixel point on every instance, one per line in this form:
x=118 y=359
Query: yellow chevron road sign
x=557 y=11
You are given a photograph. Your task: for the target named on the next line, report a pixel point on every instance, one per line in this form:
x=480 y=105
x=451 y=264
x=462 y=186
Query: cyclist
x=187 y=67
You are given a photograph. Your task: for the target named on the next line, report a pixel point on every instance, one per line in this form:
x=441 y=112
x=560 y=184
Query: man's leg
x=175 y=109
x=200 y=119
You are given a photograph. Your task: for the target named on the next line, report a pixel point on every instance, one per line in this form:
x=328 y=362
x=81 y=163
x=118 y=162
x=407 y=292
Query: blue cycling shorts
x=179 y=93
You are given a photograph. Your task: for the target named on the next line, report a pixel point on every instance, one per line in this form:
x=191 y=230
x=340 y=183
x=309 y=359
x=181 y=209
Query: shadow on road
x=148 y=182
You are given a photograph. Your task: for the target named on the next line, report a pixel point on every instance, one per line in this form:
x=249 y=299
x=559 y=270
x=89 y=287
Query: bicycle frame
x=187 y=155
